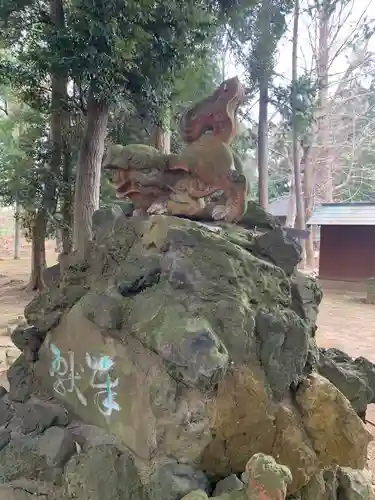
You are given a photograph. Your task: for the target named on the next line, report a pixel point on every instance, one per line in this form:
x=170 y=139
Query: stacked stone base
x=188 y=348
x=45 y=454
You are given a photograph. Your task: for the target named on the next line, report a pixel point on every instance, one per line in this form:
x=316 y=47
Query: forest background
x=75 y=74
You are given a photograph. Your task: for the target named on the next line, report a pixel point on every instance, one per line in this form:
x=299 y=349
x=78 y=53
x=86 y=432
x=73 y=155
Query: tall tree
x=254 y=33
x=4 y=110
x=107 y=49
x=24 y=173
x=263 y=56
x=17 y=230
x=300 y=215
x=57 y=112
x=161 y=135
x=323 y=166
x=87 y=186
x=318 y=174
x=136 y=58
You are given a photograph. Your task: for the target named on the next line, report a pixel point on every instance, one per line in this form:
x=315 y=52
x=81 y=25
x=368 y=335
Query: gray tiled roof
x=344 y=214
x=279 y=207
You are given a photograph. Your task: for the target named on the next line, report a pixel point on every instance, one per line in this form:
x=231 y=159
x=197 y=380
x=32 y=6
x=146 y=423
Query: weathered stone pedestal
x=193 y=344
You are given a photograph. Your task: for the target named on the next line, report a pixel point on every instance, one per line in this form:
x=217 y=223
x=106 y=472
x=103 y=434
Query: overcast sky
x=353 y=16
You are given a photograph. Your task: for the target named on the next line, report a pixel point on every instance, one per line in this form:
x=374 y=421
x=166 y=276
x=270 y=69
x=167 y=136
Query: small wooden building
x=347 y=240
x=279 y=208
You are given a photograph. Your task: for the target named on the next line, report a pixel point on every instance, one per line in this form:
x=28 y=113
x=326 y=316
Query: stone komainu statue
x=205 y=181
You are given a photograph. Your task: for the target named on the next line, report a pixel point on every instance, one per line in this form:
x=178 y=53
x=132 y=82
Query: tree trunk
x=67 y=199
x=308 y=189
x=59 y=80
x=38 y=252
x=291 y=215
x=58 y=248
x=263 y=107
x=59 y=106
x=300 y=216
x=317 y=180
x=318 y=184
x=17 y=231
x=66 y=230
x=161 y=137
x=263 y=142
x=87 y=189
x=324 y=183
x=58 y=112
x=59 y=119
x=161 y=140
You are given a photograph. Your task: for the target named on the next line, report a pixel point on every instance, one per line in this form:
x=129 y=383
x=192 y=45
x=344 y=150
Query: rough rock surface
x=228 y=484
x=329 y=421
x=353 y=377
x=354 y=485
x=85 y=476
x=193 y=346
x=40 y=457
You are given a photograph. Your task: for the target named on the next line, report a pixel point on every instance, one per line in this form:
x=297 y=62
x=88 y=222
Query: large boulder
x=193 y=345
x=332 y=423
x=353 y=377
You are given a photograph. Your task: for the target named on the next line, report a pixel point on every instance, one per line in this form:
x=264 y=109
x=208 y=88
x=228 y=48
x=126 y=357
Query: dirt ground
x=344 y=321
x=347 y=323
x=14 y=276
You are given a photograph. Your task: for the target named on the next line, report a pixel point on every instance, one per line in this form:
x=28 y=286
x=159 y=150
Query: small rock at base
x=57 y=445
x=355 y=484
x=172 y=481
x=41 y=416
x=103 y=473
x=228 y=484
x=89 y=436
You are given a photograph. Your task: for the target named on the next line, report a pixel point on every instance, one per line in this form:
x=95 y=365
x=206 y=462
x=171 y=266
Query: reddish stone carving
x=216 y=113
x=202 y=181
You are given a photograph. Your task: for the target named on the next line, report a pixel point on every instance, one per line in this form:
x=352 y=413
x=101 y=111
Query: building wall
x=347 y=253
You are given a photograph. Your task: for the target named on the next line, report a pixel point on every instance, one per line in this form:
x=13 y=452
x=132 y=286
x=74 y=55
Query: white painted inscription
x=68 y=374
